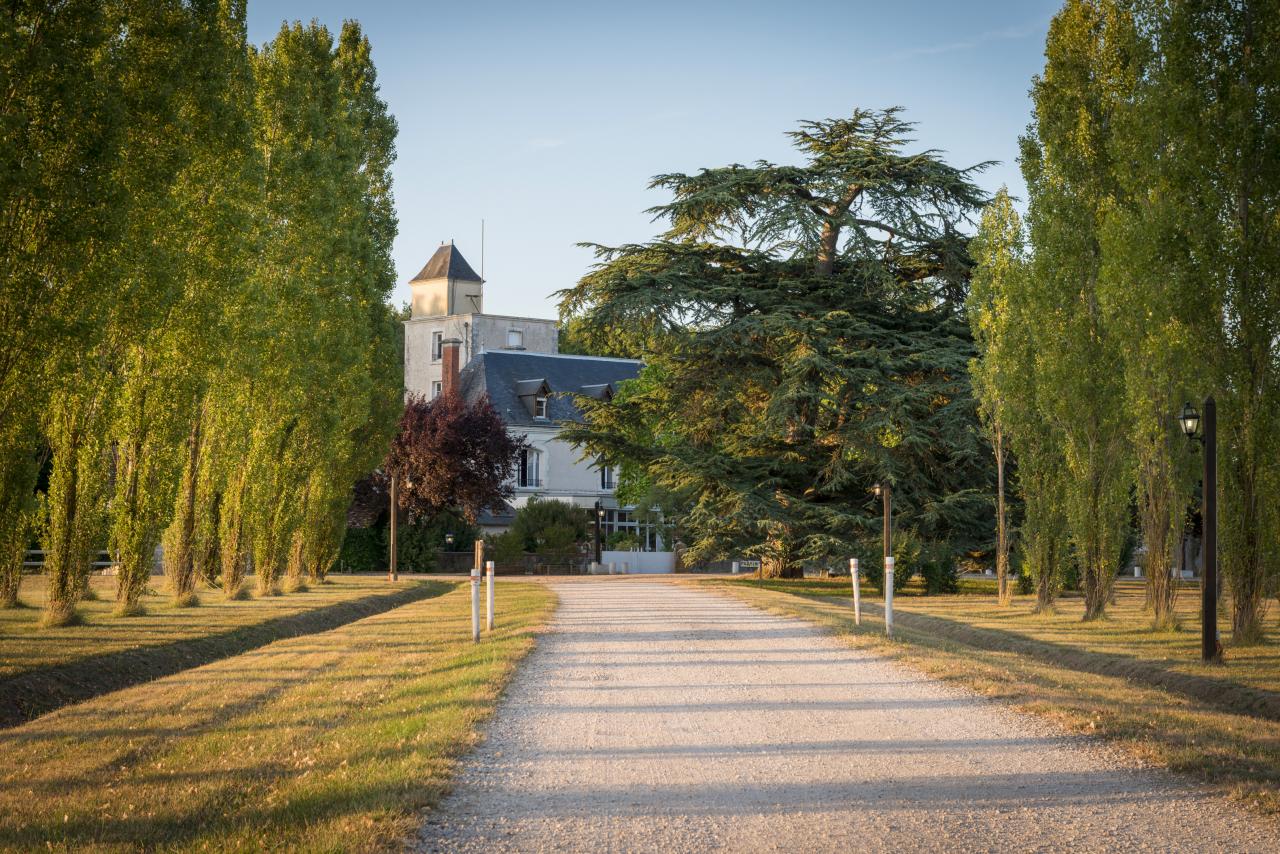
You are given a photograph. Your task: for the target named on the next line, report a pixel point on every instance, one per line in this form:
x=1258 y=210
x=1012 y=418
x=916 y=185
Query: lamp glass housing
x=1190 y=421
x=878 y=490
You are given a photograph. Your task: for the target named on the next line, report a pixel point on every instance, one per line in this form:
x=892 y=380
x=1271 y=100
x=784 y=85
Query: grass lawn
x=25 y=646
x=1146 y=691
x=334 y=741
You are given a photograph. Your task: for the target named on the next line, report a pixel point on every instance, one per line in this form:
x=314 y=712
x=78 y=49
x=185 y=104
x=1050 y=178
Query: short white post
x=613 y=568
x=488 y=571
x=888 y=596
x=736 y=567
x=857 y=591
x=475 y=604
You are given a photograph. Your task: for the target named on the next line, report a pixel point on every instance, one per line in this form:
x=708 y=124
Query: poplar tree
x=813 y=342
x=1007 y=379
x=1072 y=182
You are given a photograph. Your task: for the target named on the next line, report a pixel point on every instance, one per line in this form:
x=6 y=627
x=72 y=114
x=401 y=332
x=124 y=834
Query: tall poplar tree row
x=196 y=283
x=1198 y=250
x=1155 y=278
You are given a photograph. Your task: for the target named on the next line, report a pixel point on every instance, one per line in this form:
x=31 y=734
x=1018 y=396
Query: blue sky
x=547 y=119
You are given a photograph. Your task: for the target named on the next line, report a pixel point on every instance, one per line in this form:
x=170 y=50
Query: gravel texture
x=656 y=717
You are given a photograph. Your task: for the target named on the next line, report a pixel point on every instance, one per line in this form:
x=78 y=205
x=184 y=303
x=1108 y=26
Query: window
x=437 y=346
x=527 y=472
x=540 y=406
x=606 y=475
x=437 y=388
x=515 y=339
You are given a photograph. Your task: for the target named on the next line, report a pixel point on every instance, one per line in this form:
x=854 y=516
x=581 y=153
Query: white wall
x=477 y=332
x=646 y=563
x=563 y=476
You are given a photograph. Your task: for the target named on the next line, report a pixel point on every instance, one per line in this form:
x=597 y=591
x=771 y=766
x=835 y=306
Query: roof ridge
x=524 y=354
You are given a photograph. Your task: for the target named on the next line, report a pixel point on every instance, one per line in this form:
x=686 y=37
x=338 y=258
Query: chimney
x=449 y=358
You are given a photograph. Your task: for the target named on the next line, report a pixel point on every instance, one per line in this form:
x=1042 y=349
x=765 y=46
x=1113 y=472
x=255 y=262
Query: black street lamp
x=1190 y=420
x=599 y=518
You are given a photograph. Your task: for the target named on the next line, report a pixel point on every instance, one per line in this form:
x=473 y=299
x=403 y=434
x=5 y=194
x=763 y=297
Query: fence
x=33 y=561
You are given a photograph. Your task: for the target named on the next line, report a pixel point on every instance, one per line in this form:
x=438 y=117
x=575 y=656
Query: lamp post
x=448 y=542
x=599 y=520
x=1210 y=648
x=885 y=493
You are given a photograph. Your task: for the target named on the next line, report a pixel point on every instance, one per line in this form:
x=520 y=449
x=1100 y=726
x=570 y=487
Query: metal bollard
x=475 y=604
x=488 y=571
x=857 y=591
x=888 y=597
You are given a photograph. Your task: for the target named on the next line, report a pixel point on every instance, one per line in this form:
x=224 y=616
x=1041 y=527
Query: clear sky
x=547 y=119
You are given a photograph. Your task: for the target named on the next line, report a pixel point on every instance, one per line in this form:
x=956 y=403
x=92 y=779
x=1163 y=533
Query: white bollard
x=888 y=596
x=857 y=591
x=488 y=571
x=736 y=567
x=475 y=604
x=613 y=568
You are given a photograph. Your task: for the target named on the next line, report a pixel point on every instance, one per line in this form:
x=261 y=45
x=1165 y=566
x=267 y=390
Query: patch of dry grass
x=1146 y=691
x=25 y=646
x=329 y=742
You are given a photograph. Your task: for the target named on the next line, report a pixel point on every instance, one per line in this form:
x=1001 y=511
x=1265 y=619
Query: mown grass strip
x=32 y=693
x=1226 y=743
x=25 y=646
x=331 y=742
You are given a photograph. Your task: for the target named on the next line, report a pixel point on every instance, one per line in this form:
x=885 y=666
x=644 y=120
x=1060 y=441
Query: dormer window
x=515 y=339
x=534 y=395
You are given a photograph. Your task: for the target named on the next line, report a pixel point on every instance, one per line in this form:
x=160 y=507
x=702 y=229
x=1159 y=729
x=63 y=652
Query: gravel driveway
x=656 y=717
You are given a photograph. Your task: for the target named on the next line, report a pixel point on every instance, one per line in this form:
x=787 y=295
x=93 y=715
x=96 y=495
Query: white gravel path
x=655 y=717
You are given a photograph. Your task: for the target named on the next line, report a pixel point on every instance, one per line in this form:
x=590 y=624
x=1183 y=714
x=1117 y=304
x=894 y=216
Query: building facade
x=451 y=342
x=448 y=303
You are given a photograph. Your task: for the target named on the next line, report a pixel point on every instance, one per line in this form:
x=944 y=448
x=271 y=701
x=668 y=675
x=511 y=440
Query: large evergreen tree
x=810 y=341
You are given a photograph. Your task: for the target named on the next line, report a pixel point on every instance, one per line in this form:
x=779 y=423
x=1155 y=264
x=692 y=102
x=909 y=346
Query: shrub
x=546 y=525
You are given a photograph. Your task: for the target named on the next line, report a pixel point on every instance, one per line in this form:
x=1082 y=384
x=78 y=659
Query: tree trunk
x=829 y=245
x=1004 y=591
x=182 y=576
x=231 y=540
x=779 y=561
x=1157 y=529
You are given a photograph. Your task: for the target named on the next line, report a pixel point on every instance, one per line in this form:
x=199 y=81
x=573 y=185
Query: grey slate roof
x=447 y=263
x=503 y=374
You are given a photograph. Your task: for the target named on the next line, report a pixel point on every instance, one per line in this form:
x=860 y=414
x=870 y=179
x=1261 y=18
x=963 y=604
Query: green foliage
x=622 y=541
x=1091 y=69
x=197 y=261
x=547 y=526
x=508 y=548
x=827 y=352
x=1012 y=380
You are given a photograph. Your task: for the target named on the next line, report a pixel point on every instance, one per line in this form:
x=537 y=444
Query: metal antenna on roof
x=482 y=249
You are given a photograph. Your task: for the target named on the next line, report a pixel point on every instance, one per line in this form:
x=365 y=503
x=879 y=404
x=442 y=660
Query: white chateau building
x=449 y=341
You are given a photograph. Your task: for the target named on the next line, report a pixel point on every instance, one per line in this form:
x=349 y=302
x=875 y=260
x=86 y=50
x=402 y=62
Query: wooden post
x=392 y=574
x=477 y=562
